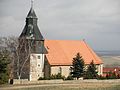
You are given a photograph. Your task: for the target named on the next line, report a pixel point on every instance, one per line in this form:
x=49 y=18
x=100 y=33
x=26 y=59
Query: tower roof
x=31 y=13
x=31 y=28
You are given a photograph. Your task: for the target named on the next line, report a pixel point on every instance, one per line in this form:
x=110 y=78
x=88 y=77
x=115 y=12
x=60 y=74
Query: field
x=68 y=86
x=112 y=61
x=110 y=58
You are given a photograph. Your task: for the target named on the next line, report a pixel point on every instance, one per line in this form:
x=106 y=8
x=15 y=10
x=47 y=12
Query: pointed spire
x=31 y=13
x=31 y=27
x=32 y=1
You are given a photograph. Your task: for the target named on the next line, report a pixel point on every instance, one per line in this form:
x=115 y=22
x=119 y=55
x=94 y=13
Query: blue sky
x=96 y=21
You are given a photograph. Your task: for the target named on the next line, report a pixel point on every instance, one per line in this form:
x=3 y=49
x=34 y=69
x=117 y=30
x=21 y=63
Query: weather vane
x=32 y=3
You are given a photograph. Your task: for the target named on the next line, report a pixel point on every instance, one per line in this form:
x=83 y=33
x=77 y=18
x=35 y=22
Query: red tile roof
x=62 y=52
x=111 y=69
x=115 y=70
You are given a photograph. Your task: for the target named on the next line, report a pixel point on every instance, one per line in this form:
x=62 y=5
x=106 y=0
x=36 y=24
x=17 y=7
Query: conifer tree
x=4 y=61
x=91 y=72
x=77 y=69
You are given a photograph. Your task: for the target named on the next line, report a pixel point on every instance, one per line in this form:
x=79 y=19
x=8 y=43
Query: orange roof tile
x=62 y=52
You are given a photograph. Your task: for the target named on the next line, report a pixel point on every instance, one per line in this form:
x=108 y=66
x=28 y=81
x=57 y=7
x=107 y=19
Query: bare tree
x=20 y=53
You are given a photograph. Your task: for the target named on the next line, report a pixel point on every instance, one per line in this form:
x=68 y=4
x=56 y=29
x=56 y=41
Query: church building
x=47 y=57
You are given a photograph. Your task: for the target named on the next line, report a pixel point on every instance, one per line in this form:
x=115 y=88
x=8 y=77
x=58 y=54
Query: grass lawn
x=73 y=88
x=70 y=86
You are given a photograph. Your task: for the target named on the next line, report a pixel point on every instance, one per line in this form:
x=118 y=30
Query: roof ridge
x=62 y=40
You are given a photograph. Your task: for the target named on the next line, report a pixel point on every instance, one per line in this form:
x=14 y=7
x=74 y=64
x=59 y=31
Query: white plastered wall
x=36 y=66
x=65 y=70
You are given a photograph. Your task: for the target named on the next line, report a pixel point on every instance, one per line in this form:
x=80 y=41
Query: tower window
x=38 y=57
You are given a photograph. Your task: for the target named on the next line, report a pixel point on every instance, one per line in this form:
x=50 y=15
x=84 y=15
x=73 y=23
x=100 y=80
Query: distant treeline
x=108 y=53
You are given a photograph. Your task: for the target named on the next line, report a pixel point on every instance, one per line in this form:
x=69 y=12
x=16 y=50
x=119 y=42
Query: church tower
x=32 y=66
